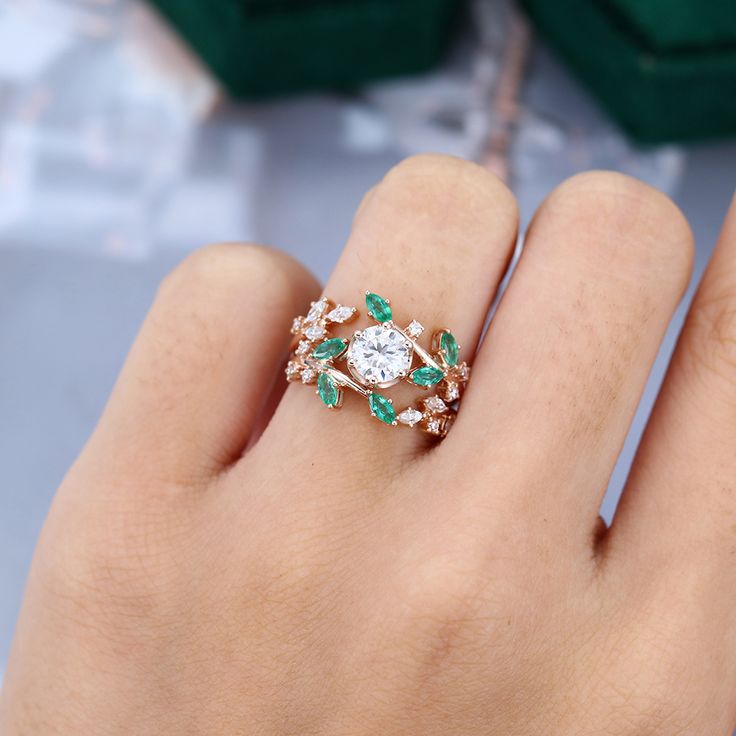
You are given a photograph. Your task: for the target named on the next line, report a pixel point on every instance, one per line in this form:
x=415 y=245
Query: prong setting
x=377 y=358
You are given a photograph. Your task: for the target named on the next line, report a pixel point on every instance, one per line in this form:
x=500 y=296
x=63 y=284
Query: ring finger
x=434 y=237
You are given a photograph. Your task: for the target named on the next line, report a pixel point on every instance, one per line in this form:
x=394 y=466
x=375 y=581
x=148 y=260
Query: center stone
x=378 y=355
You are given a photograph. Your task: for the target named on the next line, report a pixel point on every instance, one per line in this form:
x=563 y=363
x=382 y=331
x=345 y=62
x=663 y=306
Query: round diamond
x=414 y=329
x=379 y=355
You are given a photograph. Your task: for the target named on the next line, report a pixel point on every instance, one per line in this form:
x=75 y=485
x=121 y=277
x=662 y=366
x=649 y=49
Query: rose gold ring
x=377 y=358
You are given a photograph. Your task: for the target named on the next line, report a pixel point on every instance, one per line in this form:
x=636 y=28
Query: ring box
x=259 y=48
x=664 y=69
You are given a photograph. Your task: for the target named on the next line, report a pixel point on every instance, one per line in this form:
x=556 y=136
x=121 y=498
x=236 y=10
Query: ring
x=378 y=357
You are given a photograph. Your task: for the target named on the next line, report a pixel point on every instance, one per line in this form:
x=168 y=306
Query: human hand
x=340 y=577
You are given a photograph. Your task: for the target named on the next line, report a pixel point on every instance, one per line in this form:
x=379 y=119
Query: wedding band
x=376 y=358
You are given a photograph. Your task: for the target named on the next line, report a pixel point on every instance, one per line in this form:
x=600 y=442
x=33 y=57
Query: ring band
x=377 y=358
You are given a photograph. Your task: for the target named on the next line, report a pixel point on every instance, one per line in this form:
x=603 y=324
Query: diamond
x=292 y=370
x=463 y=371
x=410 y=416
x=296 y=326
x=414 y=329
x=452 y=392
x=303 y=348
x=433 y=426
x=316 y=310
x=435 y=403
x=379 y=355
x=315 y=332
x=341 y=314
x=308 y=375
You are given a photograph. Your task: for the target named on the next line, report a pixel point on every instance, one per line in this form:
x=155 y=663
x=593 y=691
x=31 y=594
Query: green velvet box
x=665 y=69
x=266 y=47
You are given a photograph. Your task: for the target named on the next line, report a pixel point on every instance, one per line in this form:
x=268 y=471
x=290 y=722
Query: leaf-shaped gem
x=449 y=347
x=382 y=408
x=426 y=376
x=327 y=390
x=330 y=348
x=378 y=307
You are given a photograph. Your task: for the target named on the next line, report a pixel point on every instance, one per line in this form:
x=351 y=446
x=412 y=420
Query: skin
x=199 y=574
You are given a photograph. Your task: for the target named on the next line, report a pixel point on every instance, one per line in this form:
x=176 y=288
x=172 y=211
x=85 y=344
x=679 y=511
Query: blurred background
x=132 y=132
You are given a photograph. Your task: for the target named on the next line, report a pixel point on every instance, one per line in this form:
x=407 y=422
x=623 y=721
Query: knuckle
x=436 y=184
x=233 y=265
x=217 y=283
x=637 y=225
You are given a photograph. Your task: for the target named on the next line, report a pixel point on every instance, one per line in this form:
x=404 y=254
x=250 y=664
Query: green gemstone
x=378 y=307
x=382 y=408
x=427 y=376
x=450 y=348
x=327 y=390
x=329 y=348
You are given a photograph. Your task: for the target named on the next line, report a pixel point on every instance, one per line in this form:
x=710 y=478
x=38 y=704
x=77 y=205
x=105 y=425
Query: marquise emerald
x=330 y=348
x=327 y=390
x=378 y=307
x=382 y=408
x=427 y=376
x=449 y=347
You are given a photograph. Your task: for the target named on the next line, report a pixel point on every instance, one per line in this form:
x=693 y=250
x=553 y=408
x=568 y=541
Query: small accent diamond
x=409 y=417
x=292 y=370
x=315 y=332
x=296 y=326
x=340 y=313
x=452 y=392
x=308 y=375
x=435 y=403
x=303 y=348
x=414 y=329
x=316 y=310
x=433 y=426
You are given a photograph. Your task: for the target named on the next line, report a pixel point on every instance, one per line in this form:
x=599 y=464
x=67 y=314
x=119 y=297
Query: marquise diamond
x=410 y=416
x=340 y=314
x=315 y=332
x=316 y=310
x=435 y=403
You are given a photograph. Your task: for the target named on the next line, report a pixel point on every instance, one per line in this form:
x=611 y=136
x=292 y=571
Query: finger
x=679 y=503
x=435 y=237
x=567 y=355
x=202 y=366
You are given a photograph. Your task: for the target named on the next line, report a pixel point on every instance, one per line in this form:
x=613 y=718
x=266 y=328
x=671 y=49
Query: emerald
x=382 y=408
x=427 y=376
x=450 y=348
x=330 y=348
x=327 y=390
x=378 y=307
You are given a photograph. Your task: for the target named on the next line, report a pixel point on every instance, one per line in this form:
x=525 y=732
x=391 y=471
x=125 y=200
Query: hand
x=339 y=577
